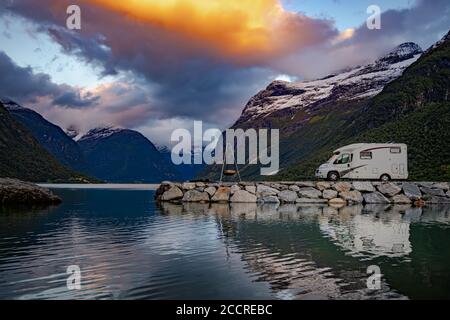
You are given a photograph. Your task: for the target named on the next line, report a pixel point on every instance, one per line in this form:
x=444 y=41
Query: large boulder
x=251 y=189
x=234 y=188
x=243 y=197
x=412 y=191
x=266 y=190
x=329 y=194
x=433 y=192
x=270 y=199
x=13 y=191
x=174 y=193
x=401 y=199
x=188 y=186
x=389 y=189
x=353 y=196
x=287 y=196
x=322 y=185
x=342 y=186
x=363 y=186
x=195 y=196
x=310 y=192
x=294 y=188
x=222 y=195
x=375 y=197
x=210 y=190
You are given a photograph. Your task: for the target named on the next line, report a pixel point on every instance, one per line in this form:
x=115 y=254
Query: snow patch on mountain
x=352 y=84
x=100 y=133
x=11 y=105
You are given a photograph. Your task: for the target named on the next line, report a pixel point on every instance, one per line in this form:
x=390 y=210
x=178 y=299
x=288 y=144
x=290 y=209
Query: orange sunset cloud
x=232 y=27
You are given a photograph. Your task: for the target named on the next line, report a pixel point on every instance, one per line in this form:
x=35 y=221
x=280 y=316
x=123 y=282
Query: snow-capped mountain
x=100 y=133
x=122 y=155
x=286 y=99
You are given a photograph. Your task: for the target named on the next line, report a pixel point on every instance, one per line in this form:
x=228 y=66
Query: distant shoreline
x=111 y=186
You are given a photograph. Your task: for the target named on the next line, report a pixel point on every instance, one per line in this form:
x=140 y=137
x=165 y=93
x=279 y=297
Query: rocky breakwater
x=14 y=191
x=308 y=192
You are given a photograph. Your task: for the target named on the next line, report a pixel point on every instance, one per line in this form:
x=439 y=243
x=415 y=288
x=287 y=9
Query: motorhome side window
x=365 y=155
x=343 y=159
x=396 y=150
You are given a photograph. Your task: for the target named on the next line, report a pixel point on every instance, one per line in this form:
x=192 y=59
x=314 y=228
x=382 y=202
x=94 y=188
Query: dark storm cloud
x=188 y=78
x=424 y=23
x=23 y=85
x=74 y=99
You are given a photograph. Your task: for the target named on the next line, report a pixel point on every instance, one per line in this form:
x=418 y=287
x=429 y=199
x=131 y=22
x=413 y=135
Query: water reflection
x=128 y=247
x=281 y=245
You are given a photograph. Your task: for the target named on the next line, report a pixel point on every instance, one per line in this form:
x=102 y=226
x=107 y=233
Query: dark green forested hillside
x=22 y=157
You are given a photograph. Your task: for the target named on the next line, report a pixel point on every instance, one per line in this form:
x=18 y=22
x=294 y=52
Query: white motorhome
x=378 y=161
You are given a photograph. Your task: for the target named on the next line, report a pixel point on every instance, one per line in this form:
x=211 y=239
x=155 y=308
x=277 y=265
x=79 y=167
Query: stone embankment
x=14 y=191
x=307 y=192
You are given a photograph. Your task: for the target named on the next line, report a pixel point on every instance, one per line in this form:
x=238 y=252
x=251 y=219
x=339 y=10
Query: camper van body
x=367 y=161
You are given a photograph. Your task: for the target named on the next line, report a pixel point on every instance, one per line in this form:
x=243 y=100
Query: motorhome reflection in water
x=387 y=161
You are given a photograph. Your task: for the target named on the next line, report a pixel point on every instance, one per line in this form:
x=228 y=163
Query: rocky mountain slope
x=288 y=106
x=123 y=155
x=50 y=136
x=401 y=97
x=21 y=155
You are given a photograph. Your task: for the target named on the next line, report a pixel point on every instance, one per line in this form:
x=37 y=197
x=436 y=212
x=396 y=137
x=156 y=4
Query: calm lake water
x=129 y=247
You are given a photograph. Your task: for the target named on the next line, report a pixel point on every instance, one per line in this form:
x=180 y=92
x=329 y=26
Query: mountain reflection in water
x=129 y=247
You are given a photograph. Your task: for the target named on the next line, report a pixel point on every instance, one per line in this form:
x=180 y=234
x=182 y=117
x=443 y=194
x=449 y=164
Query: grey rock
x=441 y=185
x=311 y=193
x=270 y=199
x=251 y=189
x=266 y=191
x=174 y=193
x=412 y=191
x=401 y=199
x=329 y=194
x=188 y=186
x=389 y=189
x=287 y=196
x=312 y=201
x=200 y=184
x=13 y=191
x=222 y=195
x=294 y=188
x=375 y=197
x=322 y=185
x=243 y=197
x=342 y=186
x=210 y=190
x=280 y=187
x=247 y=184
x=234 y=188
x=363 y=186
x=425 y=184
x=353 y=196
x=433 y=192
x=195 y=196
x=448 y=194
